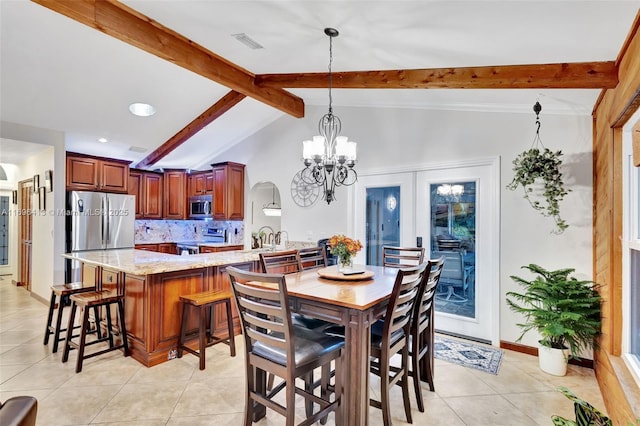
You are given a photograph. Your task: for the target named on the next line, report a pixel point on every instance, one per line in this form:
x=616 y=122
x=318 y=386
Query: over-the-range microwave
x=200 y=207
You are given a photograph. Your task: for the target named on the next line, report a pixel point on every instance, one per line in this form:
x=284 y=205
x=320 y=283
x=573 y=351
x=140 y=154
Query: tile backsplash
x=169 y=231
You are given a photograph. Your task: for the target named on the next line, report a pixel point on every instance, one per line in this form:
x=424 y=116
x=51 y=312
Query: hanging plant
x=540 y=164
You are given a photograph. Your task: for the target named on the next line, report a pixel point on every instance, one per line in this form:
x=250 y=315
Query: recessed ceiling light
x=141 y=109
x=102 y=140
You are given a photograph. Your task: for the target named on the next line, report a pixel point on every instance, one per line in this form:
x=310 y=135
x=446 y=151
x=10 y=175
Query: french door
x=453 y=212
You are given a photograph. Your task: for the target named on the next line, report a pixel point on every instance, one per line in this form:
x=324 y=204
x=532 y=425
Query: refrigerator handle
x=102 y=208
x=108 y=218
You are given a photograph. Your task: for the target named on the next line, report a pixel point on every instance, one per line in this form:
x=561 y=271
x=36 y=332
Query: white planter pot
x=553 y=361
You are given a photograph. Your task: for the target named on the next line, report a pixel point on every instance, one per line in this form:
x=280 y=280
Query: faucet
x=284 y=241
x=273 y=243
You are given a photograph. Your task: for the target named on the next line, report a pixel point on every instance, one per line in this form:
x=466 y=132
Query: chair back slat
x=313 y=257
x=400 y=257
x=281 y=262
x=267 y=339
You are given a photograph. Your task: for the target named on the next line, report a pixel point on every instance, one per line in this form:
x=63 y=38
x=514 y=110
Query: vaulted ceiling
x=78 y=73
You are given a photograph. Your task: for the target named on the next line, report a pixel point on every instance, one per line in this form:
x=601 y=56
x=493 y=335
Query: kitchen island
x=152 y=284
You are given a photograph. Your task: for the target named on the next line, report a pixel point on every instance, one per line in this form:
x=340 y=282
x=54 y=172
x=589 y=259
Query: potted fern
x=565 y=312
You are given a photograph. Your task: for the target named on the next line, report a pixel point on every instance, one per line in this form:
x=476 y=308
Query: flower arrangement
x=344 y=248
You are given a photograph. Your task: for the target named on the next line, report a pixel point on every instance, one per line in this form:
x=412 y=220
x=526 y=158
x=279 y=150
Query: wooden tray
x=332 y=273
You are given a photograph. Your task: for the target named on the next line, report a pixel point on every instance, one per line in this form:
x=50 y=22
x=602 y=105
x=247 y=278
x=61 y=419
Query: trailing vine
x=541 y=164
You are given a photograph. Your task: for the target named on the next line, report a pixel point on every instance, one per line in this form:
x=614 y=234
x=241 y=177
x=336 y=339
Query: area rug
x=480 y=357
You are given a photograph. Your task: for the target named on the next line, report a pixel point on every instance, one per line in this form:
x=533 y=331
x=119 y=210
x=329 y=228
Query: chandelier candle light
x=329 y=158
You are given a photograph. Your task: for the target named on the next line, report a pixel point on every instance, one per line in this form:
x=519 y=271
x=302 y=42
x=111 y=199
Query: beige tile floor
x=113 y=390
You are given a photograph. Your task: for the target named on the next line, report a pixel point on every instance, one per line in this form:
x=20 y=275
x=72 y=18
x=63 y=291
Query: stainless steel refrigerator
x=98 y=221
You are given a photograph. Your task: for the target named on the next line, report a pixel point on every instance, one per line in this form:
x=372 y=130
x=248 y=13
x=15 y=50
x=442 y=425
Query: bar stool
x=204 y=303
x=60 y=295
x=95 y=299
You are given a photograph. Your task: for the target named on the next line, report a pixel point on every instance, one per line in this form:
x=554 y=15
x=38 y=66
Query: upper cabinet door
x=82 y=173
x=135 y=188
x=228 y=191
x=152 y=184
x=175 y=190
x=114 y=177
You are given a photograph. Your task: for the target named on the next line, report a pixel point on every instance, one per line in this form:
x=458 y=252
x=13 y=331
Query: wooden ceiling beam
x=223 y=105
x=119 y=21
x=580 y=75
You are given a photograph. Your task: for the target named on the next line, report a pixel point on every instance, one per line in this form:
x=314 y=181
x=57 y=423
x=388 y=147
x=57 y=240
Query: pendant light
x=273 y=208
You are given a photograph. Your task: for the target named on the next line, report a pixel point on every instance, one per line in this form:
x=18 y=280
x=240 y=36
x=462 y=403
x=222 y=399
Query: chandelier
x=329 y=158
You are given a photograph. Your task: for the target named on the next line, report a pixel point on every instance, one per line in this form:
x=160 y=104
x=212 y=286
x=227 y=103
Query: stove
x=211 y=235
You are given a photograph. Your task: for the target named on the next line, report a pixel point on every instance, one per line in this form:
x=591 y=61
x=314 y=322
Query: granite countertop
x=200 y=243
x=141 y=262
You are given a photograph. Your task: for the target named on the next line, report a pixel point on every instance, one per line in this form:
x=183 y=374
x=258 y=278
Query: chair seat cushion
x=308 y=322
x=309 y=346
x=376 y=333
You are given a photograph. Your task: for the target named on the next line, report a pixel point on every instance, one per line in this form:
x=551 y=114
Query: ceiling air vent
x=247 y=41
x=137 y=149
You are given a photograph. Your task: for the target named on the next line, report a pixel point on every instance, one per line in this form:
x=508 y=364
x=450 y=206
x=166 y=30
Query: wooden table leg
x=356 y=369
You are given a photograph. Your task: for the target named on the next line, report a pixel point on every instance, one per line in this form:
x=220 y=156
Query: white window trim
x=630 y=241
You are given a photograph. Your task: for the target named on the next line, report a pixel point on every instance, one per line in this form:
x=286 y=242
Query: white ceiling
x=59 y=74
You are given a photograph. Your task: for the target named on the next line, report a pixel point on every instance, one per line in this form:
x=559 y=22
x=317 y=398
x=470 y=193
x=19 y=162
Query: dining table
x=355 y=302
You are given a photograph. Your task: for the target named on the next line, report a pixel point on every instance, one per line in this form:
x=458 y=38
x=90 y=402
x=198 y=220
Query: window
x=631 y=259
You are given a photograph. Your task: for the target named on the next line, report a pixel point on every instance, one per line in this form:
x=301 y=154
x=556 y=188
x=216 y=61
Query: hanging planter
x=537 y=171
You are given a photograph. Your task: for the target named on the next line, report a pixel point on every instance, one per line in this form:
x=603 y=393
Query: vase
x=345 y=264
x=553 y=361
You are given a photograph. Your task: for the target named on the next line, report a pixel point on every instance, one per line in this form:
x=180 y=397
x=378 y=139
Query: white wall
x=399 y=138
x=48 y=228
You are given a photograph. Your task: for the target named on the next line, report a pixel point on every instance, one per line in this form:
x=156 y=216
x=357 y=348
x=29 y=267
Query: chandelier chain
x=330 y=74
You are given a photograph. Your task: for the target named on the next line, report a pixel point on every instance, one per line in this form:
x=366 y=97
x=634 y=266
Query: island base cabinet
x=153 y=312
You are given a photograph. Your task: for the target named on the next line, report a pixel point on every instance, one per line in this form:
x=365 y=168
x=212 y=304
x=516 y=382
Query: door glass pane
x=4 y=230
x=453 y=236
x=382 y=221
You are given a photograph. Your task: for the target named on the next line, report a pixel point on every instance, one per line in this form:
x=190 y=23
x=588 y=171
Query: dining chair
x=275 y=345
x=390 y=336
x=280 y=262
x=422 y=330
x=285 y=262
x=398 y=257
x=313 y=257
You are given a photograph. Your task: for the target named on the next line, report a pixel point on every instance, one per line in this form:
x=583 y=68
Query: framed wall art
x=36 y=183
x=48 y=180
x=42 y=198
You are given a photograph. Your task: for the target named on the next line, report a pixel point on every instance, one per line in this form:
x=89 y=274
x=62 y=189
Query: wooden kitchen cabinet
x=147 y=187
x=169 y=248
x=228 y=191
x=175 y=190
x=200 y=183
x=87 y=173
x=211 y=249
x=147 y=247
